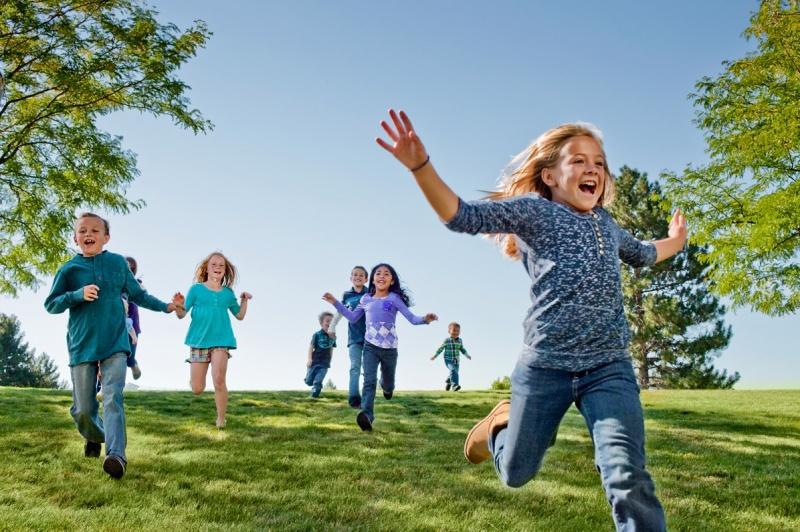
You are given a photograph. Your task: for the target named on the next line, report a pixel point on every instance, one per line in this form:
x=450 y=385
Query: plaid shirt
x=451 y=348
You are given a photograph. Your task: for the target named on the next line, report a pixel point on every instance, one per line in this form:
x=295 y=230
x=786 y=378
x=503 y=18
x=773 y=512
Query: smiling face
x=216 y=268
x=454 y=330
x=91 y=235
x=579 y=176
x=382 y=279
x=359 y=278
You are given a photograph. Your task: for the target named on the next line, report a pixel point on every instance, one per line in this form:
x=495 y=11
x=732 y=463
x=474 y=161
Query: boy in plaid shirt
x=452 y=347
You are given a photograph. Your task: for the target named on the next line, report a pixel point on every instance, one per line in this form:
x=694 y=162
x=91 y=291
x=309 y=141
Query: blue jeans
x=356 y=352
x=373 y=357
x=110 y=429
x=453 y=373
x=608 y=398
x=132 y=357
x=314 y=377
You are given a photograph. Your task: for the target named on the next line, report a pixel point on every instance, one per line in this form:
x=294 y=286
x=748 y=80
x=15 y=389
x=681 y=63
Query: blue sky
x=291 y=186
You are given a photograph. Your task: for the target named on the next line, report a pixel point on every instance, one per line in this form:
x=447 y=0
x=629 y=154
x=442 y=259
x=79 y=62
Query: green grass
x=722 y=460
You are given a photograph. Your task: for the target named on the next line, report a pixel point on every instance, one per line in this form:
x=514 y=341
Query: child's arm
x=678 y=233
x=492 y=217
x=139 y=295
x=464 y=351
x=243 y=299
x=410 y=316
x=439 y=351
x=180 y=304
x=350 y=315
x=310 y=350
x=332 y=326
x=61 y=299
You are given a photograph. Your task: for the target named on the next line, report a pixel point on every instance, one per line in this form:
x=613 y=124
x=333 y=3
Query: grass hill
x=722 y=460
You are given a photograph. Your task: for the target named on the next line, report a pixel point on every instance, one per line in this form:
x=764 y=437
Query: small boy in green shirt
x=90 y=286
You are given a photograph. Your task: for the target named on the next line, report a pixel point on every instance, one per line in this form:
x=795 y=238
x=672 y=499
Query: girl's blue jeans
x=387 y=360
x=111 y=428
x=608 y=399
x=453 y=373
x=356 y=352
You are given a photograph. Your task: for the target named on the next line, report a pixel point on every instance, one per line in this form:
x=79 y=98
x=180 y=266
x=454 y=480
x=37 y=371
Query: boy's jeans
x=387 y=359
x=356 y=352
x=110 y=429
x=132 y=357
x=314 y=377
x=453 y=372
x=608 y=398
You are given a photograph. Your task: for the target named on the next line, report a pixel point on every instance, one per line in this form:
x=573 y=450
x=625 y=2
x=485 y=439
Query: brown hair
x=93 y=215
x=453 y=323
x=201 y=273
x=524 y=174
x=323 y=314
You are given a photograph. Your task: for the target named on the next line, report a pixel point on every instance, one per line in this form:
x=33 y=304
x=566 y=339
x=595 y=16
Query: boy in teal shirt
x=90 y=286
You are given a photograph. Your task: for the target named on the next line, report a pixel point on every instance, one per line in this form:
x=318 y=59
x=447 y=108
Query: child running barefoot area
x=210 y=336
x=549 y=213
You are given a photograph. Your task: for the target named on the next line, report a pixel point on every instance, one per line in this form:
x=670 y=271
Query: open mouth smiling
x=589 y=187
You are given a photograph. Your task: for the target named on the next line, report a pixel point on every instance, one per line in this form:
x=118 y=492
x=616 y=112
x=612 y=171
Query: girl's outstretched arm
x=678 y=233
x=407 y=148
x=351 y=316
x=243 y=299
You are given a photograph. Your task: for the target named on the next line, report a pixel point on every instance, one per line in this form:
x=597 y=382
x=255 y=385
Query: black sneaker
x=114 y=466
x=91 y=449
x=456 y=387
x=354 y=402
x=447 y=384
x=387 y=395
x=363 y=421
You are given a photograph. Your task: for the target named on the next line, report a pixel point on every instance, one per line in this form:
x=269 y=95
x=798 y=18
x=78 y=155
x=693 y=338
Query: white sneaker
x=136 y=372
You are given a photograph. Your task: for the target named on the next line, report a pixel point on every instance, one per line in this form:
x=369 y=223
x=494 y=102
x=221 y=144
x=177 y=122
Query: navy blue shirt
x=576 y=320
x=355 y=331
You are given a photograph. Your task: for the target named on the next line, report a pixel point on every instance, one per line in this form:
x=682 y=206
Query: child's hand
x=91 y=292
x=431 y=317
x=327 y=296
x=246 y=296
x=677 y=227
x=406 y=145
x=171 y=308
x=433 y=357
x=178 y=300
x=308 y=363
x=331 y=334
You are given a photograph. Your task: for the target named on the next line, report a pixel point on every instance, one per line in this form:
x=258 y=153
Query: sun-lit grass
x=722 y=460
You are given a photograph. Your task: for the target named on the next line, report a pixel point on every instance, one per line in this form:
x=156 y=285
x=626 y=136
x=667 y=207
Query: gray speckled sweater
x=576 y=320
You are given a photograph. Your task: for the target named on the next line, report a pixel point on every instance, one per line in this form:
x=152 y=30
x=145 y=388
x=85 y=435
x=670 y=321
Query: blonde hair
x=523 y=174
x=201 y=273
x=83 y=215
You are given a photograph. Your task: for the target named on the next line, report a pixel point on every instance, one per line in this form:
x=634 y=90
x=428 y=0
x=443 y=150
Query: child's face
x=358 y=277
x=578 y=177
x=326 y=322
x=383 y=279
x=454 y=331
x=90 y=235
x=215 y=269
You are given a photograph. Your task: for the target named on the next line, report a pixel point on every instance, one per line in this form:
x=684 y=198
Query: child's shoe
x=136 y=371
x=91 y=449
x=354 y=402
x=456 y=387
x=447 y=384
x=363 y=421
x=114 y=466
x=476 y=446
x=387 y=395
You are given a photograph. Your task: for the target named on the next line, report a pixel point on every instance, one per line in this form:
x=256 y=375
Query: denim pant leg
x=609 y=402
x=539 y=399
x=114 y=370
x=453 y=373
x=319 y=378
x=309 y=378
x=132 y=357
x=388 y=369
x=84 y=409
x=370 y=366
x=356 y=351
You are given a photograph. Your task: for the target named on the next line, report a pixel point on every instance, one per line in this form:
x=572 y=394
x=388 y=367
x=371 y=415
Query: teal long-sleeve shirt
x=96 y=328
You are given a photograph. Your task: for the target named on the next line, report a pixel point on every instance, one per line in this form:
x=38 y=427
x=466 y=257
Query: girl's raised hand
x=246 y=296
x=178 y=300
x=431 y=317
x=327 y=296
x=405 y=145
x=677 y=226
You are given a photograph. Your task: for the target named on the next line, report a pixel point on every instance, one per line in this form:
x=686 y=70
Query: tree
x=19 y=365
x=329 y=385
x=502 y=383
x=744 y=205
x=66 y=63
x=677 y=326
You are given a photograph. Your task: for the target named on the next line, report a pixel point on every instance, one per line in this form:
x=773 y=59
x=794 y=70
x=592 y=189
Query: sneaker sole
x=364 y=422
x=480 y=424
x=113 y=467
